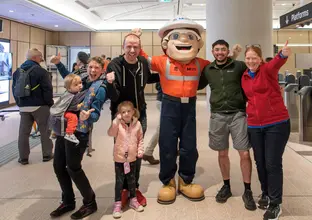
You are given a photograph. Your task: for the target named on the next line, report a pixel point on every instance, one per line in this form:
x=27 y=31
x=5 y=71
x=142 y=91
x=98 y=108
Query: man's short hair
x=133 y=35
x=221 y=42
x=31 y=53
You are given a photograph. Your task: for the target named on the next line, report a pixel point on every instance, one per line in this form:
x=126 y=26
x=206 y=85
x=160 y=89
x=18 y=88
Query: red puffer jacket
x=265 y=102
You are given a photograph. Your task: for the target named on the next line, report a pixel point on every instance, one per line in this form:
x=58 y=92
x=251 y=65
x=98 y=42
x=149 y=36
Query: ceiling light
x=284 y=4
x=11 y=11
x=56 y=25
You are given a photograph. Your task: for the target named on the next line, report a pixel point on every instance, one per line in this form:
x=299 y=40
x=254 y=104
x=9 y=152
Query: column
x=239 y=21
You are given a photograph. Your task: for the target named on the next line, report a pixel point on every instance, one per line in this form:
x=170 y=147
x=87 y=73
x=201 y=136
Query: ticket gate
x=305 y=109
x=290 y=99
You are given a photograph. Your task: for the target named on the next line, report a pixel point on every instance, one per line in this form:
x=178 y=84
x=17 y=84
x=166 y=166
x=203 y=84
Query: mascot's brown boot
x=193 y=192
x=167 y=194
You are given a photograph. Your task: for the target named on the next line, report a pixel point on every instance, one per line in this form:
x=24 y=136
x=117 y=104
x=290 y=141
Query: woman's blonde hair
x=70 y=79
x=129 y=104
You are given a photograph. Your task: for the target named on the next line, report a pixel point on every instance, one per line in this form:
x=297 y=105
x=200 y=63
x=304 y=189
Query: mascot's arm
x=203 y=82
x=152 y=61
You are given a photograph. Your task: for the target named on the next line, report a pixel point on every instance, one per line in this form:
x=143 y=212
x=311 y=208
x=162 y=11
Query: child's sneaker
x=136 y=205
x=117 y=209
x=71 y=138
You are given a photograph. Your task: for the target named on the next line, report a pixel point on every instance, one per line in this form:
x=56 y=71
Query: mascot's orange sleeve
x=158 y=63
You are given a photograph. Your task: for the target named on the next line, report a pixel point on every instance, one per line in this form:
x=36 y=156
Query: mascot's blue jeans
x=177 y=121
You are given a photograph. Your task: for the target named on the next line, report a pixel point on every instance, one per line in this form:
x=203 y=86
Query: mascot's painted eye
x=175 y=36
x=191 y=37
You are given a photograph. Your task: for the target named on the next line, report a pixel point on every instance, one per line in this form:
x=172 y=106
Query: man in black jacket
x=132 y=73
x=35 y=107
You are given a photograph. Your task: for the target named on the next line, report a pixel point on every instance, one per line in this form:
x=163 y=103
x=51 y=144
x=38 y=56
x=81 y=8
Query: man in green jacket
x=228 y=116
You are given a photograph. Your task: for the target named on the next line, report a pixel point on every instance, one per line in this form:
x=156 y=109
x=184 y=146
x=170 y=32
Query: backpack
x=22 y=86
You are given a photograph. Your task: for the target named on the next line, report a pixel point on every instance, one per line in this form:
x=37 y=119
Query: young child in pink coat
x=128 y=134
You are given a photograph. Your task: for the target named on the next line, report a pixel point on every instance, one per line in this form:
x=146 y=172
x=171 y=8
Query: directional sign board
x=298 y=16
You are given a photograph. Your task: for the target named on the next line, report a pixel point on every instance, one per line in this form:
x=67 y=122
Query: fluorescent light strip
x=295 y=45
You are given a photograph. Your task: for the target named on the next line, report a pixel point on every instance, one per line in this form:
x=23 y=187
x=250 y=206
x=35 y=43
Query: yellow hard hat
x=180 y=22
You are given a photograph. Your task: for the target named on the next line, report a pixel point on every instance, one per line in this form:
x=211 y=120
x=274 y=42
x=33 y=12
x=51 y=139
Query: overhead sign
x=297 y=17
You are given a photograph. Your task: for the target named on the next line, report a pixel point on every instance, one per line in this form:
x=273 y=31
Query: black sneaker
x=264 y=201
x=85 y=210
x=23 y=161
x=224 y=194
x=249 y=200
x=47 y=158
x=273 y=212
x=62 y=209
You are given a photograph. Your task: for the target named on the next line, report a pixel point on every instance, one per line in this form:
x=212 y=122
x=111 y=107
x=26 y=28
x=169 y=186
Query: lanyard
x=126 y=145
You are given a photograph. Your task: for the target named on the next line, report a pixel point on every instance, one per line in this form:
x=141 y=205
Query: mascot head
x=181 y=39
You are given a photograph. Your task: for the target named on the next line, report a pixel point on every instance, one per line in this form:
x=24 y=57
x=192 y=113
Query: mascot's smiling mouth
x=183 y=47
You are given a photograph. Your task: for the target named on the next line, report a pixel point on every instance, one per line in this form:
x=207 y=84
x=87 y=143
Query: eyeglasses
x=253 y=45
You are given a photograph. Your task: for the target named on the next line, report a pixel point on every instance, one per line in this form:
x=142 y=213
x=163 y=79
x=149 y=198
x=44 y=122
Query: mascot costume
x=180 y=72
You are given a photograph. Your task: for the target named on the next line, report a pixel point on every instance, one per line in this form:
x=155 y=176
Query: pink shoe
x=136 y=205
x=117 y=209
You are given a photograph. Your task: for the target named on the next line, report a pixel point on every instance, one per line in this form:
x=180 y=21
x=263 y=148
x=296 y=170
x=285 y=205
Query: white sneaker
x=71 y=138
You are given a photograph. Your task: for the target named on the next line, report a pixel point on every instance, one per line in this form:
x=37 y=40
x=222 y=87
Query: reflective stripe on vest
x=182 y=78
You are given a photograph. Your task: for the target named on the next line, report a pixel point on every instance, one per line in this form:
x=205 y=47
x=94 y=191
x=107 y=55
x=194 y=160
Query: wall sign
x=299 y=16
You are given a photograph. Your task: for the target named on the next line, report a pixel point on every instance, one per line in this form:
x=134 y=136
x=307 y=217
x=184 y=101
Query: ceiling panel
x=114 y=14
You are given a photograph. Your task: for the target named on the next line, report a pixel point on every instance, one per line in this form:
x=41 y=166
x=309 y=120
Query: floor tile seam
x=307 y=173
x=297 y=153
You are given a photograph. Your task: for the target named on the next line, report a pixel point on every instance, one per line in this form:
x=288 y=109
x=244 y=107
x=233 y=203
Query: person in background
x=148 y=154
x=268 y=124
x=34 y=108
x=126 y=129
x=81 y=61
x=75 y=67
x=268 y=59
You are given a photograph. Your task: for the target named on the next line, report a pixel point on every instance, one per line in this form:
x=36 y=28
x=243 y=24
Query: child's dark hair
x=130 y=104
x=221 y=42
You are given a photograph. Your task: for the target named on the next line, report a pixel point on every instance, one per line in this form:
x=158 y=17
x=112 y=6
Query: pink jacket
x=127 y=136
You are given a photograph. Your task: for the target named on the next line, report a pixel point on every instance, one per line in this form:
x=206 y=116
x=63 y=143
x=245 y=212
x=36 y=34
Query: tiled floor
x=31 y=192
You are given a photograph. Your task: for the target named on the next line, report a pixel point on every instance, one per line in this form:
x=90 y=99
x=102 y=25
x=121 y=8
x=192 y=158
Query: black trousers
x=67 y=167
x=268 y=145
x=121 y=177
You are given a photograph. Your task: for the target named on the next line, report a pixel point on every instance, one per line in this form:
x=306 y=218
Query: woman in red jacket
x=268 y=124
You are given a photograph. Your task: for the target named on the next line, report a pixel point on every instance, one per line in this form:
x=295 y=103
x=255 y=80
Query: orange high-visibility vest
x=177 y=79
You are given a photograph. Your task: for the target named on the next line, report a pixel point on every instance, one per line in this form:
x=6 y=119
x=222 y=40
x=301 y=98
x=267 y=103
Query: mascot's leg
x=189 y=154
x=170 y=123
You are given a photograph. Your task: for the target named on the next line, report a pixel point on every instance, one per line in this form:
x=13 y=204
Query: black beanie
x=83 y=57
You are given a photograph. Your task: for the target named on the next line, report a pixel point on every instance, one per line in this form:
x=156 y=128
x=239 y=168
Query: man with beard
x=228 y=116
